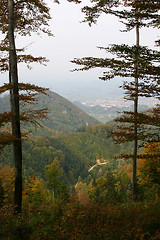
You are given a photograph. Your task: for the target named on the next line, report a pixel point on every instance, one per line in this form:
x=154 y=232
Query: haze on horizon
x=74 y=39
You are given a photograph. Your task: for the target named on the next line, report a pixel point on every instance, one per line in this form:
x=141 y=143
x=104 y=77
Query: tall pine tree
x=137 y=63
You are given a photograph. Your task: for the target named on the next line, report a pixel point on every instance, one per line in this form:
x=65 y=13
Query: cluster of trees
x=99 y=207
x=76 y=153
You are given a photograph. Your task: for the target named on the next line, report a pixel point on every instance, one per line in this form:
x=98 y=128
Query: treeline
x=94 y=204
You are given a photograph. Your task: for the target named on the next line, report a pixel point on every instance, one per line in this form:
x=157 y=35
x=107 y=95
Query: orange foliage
x=81 y=193
x=149 y=166
x=7 y=177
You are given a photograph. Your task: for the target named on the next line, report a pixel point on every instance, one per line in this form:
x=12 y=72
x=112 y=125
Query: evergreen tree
x=137 y=63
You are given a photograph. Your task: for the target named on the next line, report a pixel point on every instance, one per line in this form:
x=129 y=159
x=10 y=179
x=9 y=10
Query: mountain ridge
x=63 y=116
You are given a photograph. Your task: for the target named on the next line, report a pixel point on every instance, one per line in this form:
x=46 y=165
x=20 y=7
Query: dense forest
x=63 y=173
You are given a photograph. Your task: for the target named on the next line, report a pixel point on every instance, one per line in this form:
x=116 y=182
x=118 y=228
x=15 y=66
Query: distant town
x=119 y=102
x=108 y=109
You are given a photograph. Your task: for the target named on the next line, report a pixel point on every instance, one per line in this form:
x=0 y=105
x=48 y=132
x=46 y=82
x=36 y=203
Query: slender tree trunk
x=135 y=146
x=17 y=145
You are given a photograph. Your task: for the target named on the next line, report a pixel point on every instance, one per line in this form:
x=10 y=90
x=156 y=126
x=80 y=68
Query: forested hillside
x=63 y=116
x=90 y=186
x=79 y=151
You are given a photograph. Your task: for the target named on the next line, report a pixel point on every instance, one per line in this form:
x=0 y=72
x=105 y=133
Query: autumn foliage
x=101 y=209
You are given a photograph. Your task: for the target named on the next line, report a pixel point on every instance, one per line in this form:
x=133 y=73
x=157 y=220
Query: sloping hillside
x=76 y=152
x=63 y=116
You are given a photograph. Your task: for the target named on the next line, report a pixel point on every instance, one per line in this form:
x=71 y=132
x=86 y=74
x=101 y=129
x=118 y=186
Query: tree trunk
x=17 y=144
x=135 y=146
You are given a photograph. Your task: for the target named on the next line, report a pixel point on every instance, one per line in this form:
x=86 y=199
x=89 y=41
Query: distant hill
x=63 y=116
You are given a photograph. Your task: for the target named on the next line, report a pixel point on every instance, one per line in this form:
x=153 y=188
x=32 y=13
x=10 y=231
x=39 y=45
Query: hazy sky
x=73 y=39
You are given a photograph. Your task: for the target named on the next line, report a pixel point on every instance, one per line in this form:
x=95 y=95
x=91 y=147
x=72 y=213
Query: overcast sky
x=73 y=39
